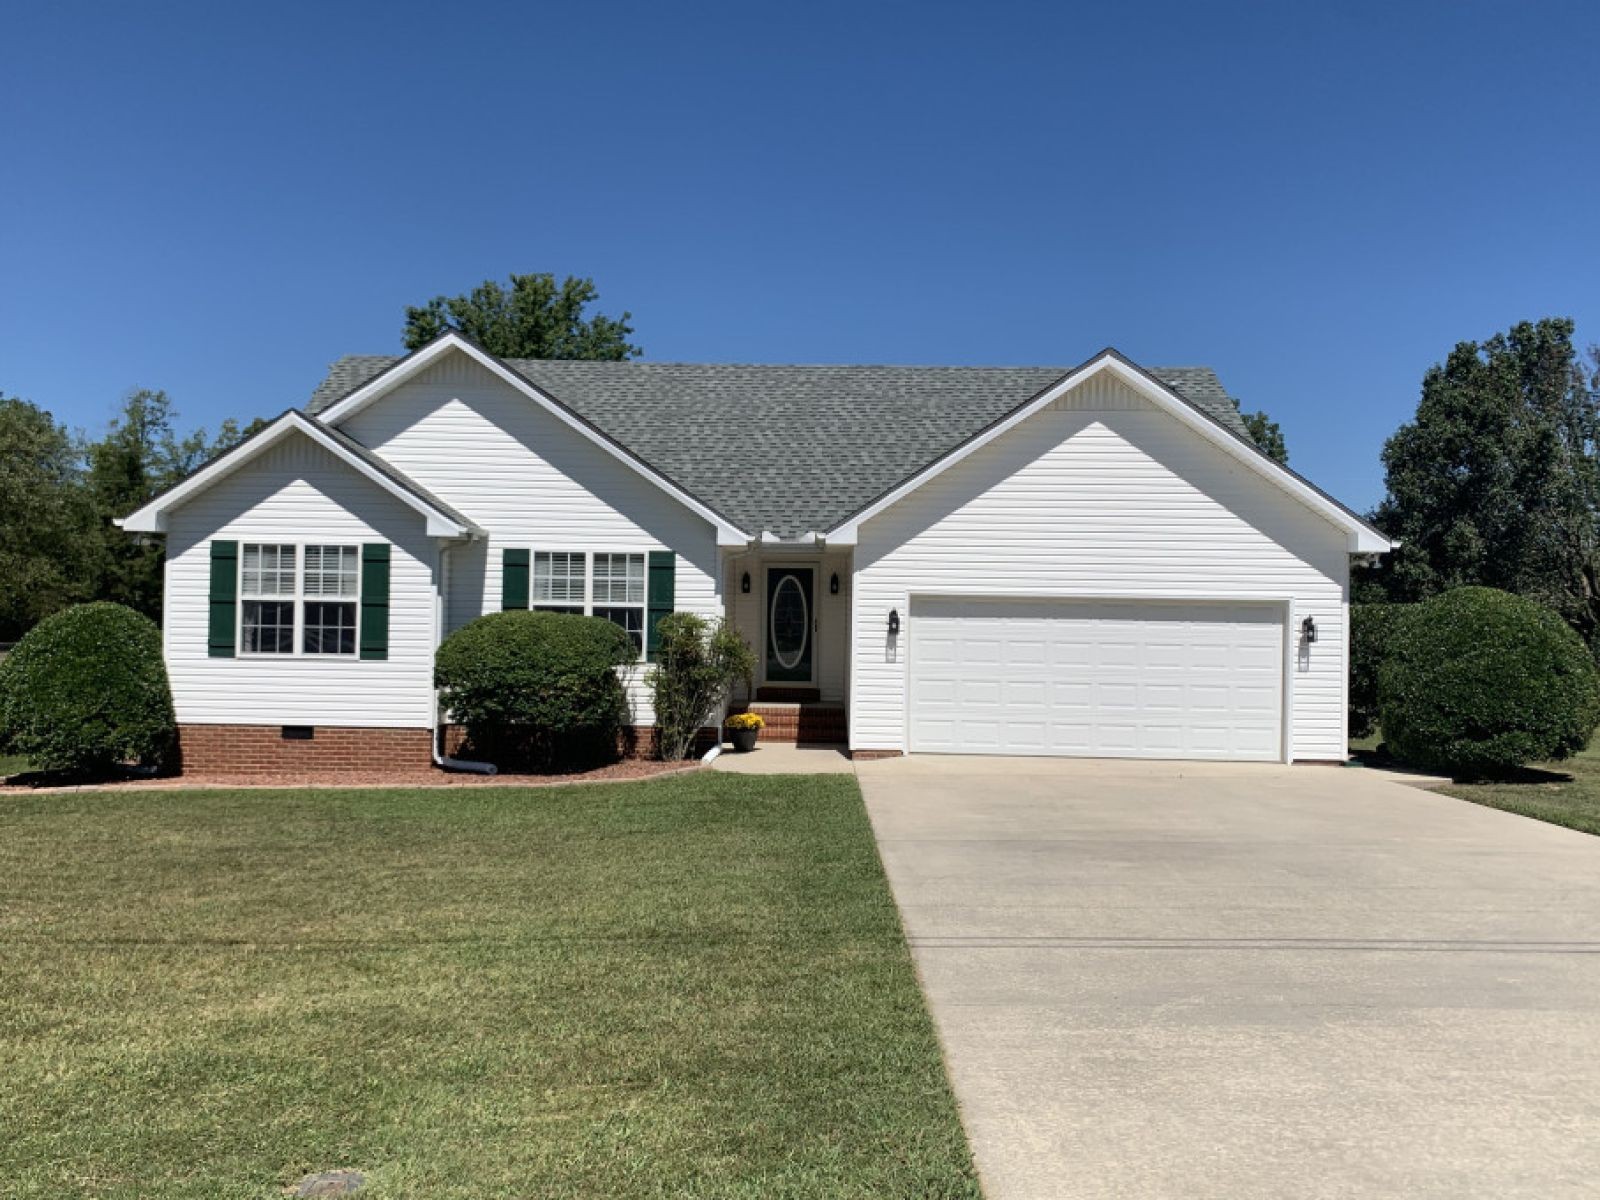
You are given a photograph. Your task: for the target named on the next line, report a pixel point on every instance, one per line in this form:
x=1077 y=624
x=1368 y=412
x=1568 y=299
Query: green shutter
x=375 y=600
x=224 y=599
x=661 y=597
x=514 y=579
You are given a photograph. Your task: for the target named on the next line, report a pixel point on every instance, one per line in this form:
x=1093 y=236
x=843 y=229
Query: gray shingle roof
x=790 y=448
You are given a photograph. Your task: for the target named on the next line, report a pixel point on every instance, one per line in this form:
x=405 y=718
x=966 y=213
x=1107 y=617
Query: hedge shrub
x=536 y=689
x=1480 y=682
x=85 y=690
x=1371 y=628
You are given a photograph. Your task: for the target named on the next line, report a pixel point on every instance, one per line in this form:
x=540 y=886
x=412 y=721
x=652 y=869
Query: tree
x=697 y=662
x=45 y=522
x=1497 y=480
x=1267 y=435
x=141 y=455
x=536 y=318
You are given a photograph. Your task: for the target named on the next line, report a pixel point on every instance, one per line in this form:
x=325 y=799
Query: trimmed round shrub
x=536 y=689
x=1478 y=682
x=1371 y=627
x=86 y=690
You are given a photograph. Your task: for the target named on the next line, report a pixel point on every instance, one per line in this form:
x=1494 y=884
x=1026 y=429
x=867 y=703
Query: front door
x=790 y=622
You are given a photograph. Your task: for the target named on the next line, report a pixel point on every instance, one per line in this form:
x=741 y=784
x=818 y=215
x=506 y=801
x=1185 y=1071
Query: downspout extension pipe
x=440 y=759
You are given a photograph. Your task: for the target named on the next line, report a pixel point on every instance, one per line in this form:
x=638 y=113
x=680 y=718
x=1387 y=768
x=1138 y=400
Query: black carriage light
x=833 y=584
x=1308 y=630
x=744 y=584
x=894 y=621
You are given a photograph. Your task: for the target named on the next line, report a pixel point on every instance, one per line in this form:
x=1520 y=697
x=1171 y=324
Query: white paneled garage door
x=1114 y=679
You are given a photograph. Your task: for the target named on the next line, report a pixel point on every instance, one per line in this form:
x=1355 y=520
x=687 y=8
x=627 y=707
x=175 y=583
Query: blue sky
x=1317 y=200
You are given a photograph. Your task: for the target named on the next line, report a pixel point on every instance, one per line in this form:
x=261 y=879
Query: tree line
x=60 y=490
x=1495 y=481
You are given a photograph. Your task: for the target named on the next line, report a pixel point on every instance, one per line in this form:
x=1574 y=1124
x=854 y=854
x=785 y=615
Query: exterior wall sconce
x=1308 y=630
x=833 y=584
x=894 y=621
x=744 y=583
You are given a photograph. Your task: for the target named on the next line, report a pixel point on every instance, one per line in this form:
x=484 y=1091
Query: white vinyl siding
x=1119 y=501
x=530 y=482
x=298 y=493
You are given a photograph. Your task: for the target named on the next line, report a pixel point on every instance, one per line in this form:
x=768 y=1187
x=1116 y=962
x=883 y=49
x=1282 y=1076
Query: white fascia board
x=407 y=368
x=152 y=518
x=1362 y=538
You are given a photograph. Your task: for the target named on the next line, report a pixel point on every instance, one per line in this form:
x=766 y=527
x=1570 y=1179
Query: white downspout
x=441 y=606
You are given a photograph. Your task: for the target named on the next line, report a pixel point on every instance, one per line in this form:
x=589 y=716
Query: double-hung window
x=619 y=592
x=299 y=599
x=267 y=599
x=602 y=584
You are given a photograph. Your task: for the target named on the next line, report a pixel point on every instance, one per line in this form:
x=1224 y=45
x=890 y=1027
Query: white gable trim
x=152 y=518
x=728 y=534
x=1362 y=538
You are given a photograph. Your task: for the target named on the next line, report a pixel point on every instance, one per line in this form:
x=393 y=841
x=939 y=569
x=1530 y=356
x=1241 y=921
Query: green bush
x=697 y=662
x=1478 y=682
x=536 y=689
x=1371 y=627
x=85 y=690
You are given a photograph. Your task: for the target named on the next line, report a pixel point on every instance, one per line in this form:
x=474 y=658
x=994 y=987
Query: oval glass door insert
x=790 y=622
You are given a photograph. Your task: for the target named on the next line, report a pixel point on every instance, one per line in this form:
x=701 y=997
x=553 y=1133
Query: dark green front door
x=790 y=622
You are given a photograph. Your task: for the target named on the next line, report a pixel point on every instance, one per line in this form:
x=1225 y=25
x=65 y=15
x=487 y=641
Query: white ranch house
x=1090 y=561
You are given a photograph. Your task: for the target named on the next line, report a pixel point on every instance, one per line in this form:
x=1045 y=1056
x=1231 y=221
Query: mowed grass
x=695 y=986
x=1565 y=793
x=12 y=764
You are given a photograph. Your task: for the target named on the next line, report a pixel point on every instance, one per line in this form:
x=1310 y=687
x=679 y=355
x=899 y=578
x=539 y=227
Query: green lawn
x=1566 y=793
x=11 y=764
x=690 y=987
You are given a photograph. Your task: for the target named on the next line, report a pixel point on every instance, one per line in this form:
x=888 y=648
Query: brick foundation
x=869 y=755
x=263 y=750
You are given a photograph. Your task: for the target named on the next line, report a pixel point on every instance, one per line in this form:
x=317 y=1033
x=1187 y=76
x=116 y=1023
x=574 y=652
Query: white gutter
x=441 y=606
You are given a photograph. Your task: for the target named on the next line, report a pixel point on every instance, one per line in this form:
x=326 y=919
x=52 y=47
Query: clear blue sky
x=1317 y=200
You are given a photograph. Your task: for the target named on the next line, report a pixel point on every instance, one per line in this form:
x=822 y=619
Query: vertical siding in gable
x=529 y=480
x=1119 y=502
x=298 y=492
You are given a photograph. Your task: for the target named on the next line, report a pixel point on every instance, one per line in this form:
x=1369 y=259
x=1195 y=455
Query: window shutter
x=220 y=634
x=661 y=597
x=513 y=579
x=375 y=600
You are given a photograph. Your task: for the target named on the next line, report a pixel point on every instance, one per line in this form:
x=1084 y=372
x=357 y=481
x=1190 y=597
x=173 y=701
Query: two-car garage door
x=1116 y=679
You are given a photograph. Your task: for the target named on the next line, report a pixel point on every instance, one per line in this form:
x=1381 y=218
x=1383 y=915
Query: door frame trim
x=1290 y=649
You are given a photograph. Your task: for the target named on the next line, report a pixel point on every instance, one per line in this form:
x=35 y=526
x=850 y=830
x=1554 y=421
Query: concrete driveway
x=1186 y=980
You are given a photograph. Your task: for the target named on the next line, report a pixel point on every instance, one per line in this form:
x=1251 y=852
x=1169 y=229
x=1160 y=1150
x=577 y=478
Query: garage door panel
x=1136 y=679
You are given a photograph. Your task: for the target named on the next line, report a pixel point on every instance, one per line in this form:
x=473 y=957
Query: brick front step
x=800 y=723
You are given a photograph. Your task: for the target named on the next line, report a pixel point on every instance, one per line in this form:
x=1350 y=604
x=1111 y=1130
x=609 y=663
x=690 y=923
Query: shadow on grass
x=1379 y=757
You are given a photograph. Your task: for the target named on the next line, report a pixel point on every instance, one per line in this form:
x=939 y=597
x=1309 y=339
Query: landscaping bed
x=694 y=986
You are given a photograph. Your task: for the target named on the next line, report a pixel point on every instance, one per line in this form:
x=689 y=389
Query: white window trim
x=589 y=605
x=297 y=599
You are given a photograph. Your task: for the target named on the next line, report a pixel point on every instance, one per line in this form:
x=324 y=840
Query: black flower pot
x=744 y=740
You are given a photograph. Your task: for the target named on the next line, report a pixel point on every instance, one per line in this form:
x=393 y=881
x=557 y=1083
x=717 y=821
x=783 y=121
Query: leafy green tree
x=1497 y=480
x=45 y=522
x=141 y=455
x=1267 y=435
x=535 y=318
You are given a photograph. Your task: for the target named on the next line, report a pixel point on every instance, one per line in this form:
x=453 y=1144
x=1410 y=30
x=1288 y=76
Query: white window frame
x=297 y=599
x=589 y=604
